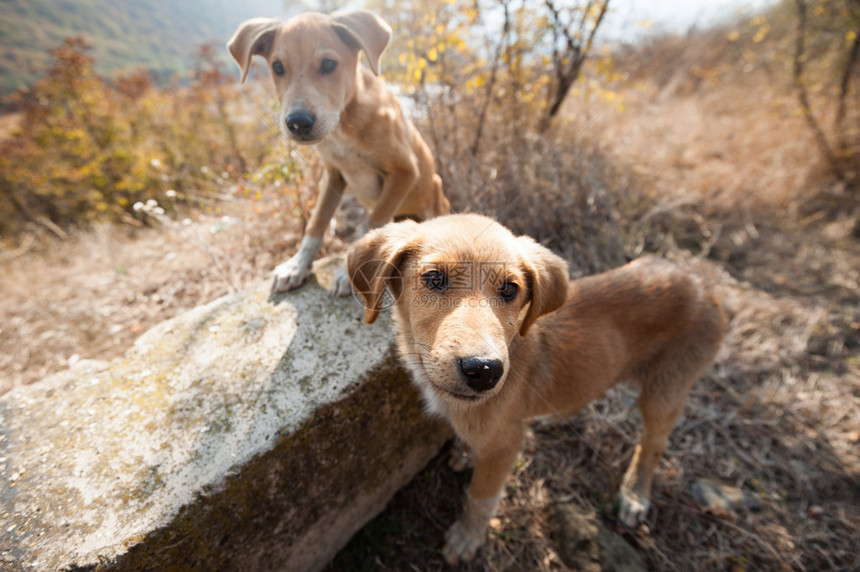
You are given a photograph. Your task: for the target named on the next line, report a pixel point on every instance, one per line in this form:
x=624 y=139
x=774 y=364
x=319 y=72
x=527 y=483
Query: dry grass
x=92 y=295
x=720 y=173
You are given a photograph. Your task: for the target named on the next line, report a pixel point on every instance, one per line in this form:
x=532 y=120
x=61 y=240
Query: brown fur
x=562 y=344
x=369 y=148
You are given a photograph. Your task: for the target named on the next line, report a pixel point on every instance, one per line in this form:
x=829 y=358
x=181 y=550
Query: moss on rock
x=248 y=433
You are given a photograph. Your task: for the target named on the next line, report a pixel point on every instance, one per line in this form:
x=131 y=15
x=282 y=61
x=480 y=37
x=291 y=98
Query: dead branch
x=491 y=83
x=844 y=85
x=567 y=63
x=802 y=92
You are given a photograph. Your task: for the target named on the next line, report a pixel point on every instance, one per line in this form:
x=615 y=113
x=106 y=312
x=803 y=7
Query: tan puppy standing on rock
x=495 y=334
x=330 y=101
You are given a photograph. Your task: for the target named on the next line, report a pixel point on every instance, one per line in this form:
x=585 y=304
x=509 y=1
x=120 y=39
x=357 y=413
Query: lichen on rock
x=230 y=434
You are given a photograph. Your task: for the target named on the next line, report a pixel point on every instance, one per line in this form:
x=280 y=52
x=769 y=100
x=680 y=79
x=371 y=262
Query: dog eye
x=327 y=66
x=508 y=291
x=278 y=68
x=435 y=280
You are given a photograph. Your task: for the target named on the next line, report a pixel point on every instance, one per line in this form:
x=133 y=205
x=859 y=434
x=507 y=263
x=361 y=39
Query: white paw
x=461 y=543
x=291 y=274
x=340 y=285
x=468 y=534
x=632 y=508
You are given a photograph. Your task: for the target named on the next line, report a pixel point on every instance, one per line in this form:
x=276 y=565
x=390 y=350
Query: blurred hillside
x=158 y=35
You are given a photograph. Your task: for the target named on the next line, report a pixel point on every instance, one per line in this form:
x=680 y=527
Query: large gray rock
x=242 y=435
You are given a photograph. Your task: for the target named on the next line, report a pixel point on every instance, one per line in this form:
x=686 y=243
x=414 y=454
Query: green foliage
x=72 y=157
x=86 y=150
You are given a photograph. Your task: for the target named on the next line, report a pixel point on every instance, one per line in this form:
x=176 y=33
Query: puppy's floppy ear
x=253 y=37
x=365 y=31
x=375 y=262
x=548 y=282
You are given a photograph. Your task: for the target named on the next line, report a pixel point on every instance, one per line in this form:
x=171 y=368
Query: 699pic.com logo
x=366 y=286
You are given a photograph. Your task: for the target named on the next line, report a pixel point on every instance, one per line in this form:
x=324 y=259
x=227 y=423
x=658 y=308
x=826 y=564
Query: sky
x=629 y=19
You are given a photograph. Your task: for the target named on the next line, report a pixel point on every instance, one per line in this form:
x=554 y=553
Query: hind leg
x=660 y=412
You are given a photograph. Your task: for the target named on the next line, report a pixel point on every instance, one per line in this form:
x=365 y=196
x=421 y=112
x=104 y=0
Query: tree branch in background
x=845 y=83
x=491 y=83
x=802 y=92
x=570 y=49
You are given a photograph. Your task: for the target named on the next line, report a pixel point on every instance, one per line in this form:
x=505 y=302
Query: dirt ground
x=777 y=416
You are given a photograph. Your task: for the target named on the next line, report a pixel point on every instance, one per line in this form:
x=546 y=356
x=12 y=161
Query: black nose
x=481 y=374
x=300 y=123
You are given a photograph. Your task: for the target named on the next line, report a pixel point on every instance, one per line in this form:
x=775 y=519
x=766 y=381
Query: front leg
x=488 y=483
x=292 y=273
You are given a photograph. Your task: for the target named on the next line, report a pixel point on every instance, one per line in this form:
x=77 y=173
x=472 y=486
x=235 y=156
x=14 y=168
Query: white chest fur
x=356 y=164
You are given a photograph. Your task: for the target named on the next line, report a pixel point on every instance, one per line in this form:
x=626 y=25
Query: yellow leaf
x=733 y=36
x=432 y=54
x=760 y=34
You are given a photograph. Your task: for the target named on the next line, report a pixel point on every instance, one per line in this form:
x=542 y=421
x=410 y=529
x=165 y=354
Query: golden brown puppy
x=356 y=124
x=494 y=334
